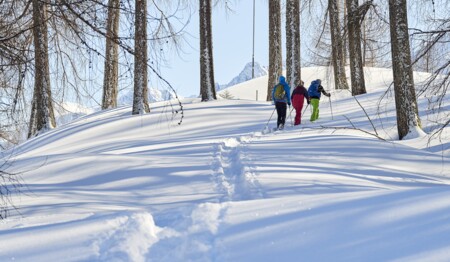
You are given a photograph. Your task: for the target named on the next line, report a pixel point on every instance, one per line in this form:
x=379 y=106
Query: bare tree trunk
x=405 y=95
x=275 y=55
x=354 y=41
x=340 y=77
x=293 y=66
x=207 y=86
x=42 y=115
x=364 y=43
x=111 y=74
x=140 y=97
x=344 y=37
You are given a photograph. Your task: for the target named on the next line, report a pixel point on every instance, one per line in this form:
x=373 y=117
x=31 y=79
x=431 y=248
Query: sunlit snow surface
x=115 y=187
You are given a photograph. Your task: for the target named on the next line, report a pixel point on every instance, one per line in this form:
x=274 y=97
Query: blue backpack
x=313 y=90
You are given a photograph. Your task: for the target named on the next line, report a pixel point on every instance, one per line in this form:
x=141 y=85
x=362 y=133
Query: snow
x=154 y=95
x=111 y=186
x=245 y=75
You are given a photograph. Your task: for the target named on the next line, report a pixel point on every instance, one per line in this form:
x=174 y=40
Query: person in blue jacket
x=281 y=95
x=314 y=91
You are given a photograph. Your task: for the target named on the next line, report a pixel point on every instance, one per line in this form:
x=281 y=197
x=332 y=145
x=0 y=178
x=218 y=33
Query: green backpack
x=279 y=94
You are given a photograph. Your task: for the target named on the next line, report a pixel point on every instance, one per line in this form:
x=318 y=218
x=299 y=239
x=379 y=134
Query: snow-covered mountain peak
x=246 y=74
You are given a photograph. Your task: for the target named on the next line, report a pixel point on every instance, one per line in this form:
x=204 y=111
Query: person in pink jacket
x=298 y=98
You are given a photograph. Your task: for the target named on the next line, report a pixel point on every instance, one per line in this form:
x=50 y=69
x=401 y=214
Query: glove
x=289 y=104
x=309 y=102
x=328 y=95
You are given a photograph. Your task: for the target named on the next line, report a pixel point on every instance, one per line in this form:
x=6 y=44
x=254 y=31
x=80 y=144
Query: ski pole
x=305 y=109
x=303 y=113
x=331 y=108
x=290 y=116
x=270 y=118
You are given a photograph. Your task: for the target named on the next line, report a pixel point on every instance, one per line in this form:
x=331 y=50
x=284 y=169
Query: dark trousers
x=281 y=111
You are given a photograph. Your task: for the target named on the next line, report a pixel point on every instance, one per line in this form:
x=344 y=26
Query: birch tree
x=140 y=95
x=405 y=96
x=42 y=115
x=275 y=55
x=293 y=66
x=337 y=43
x=111 y=75
x=355 y=15
x=207 y=87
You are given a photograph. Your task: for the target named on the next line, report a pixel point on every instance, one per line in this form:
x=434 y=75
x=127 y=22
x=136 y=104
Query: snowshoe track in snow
x=129 y=238
x=233 y=173
x=193 y=235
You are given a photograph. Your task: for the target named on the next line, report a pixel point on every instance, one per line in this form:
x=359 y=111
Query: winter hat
x=302 y=83
x=319 y=81
x=282 y=79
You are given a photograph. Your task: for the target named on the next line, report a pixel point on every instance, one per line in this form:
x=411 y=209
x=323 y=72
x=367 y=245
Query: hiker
x=298 y=99
x=315 y=90
x=281 y=95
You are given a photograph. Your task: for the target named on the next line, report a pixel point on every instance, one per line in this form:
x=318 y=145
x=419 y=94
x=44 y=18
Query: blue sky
x=232 y=46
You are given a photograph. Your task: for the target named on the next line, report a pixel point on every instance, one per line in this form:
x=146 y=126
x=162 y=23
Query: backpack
x=313 y=89
x=279 y=94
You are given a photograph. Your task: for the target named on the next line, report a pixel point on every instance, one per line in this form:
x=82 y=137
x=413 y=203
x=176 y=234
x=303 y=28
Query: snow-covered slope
x=68 y=112
x=376 y=78
x=115 y=187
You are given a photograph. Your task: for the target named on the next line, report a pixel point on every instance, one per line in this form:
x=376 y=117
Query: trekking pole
x=305 y=109
x=331 y=108
x=290 y=116
x=265 y=128
x=301 y=116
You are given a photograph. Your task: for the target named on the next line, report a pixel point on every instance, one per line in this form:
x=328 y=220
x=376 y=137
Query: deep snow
x=115 y=187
